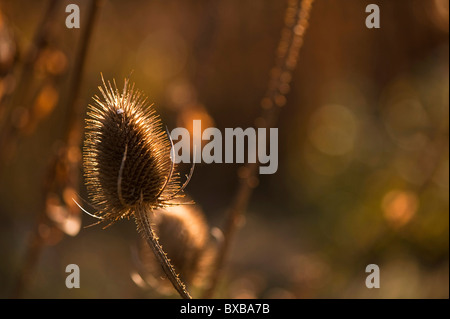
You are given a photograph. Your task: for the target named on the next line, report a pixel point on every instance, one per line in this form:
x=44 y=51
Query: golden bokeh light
x=333 y=130
x=399 y=207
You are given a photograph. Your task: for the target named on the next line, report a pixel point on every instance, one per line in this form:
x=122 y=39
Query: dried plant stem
x=296 y=23
x=9 y=134
x=74 y=116
x=145 y=228
x=75 y=109
x=52 y=181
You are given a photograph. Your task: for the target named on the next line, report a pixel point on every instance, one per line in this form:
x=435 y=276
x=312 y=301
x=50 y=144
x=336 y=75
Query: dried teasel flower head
x=185 y=237
x=127 y=155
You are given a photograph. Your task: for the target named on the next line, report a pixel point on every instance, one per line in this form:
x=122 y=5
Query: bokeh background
x=363 y=171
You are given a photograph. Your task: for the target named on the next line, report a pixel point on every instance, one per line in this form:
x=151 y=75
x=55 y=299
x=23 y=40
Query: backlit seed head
x=126 y=155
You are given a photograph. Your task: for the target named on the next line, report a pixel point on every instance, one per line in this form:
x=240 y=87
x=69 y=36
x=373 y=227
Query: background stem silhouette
x=72 y=138
x=9 y=134
x=296 y=23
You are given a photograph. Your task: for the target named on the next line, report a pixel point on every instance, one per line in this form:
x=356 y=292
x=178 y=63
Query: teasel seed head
x=127 y=155
x=184 y=235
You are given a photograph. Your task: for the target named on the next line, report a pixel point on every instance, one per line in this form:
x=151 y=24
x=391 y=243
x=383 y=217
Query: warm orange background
x=363 y=142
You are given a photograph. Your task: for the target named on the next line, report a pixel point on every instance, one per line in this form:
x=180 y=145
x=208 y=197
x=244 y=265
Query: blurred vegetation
x=363 y=142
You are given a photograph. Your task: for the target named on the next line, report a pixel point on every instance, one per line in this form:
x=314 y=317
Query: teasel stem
x=36 y=242
x=296 y=22
x=145 y=228
x=9 y=134
x=74 y=117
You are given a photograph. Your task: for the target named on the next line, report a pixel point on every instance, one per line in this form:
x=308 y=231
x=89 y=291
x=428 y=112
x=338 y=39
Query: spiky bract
x=126 y=155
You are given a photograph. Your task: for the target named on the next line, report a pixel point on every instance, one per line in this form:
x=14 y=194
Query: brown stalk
x=296 y=23
x=145 y=227
x=9 y=133
x=72 y=138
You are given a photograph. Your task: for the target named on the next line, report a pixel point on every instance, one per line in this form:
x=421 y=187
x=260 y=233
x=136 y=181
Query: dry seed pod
x=126 y=155
x=184 y=235
x=128 y=167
